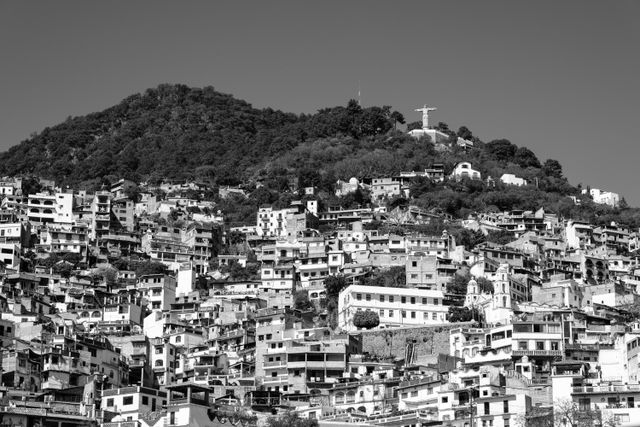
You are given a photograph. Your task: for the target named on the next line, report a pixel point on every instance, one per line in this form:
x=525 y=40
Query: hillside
x=174 y=131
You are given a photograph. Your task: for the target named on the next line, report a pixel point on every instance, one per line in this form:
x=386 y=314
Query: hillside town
x=147 y=309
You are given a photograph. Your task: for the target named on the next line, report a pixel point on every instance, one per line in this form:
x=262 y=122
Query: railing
x=122 y=424
x=606 y=388
x=537 y=352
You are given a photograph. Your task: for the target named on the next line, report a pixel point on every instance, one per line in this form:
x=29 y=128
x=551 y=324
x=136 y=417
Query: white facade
x=603 y=197
x=45 y=208
x=396 y=307
x=511 y=179
x=464 y=170
x=272 y=223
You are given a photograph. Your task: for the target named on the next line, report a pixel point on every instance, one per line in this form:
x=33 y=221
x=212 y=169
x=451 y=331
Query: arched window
x=159 y=362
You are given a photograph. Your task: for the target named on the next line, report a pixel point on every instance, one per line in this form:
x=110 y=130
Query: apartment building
x=396 y=307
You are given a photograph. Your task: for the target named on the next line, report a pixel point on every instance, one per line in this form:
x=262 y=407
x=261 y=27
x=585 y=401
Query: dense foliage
x=174 y=131
x=366 y=319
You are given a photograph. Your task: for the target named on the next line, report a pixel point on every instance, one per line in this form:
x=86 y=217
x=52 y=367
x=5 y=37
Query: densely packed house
x=146 y=311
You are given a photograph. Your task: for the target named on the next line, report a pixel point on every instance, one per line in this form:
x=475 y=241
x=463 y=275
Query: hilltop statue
x=425 y=115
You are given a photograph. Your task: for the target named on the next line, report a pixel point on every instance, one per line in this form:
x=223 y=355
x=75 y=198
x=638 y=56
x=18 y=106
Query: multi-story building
x=65 y=238
x=396 y=307
x=159 y=290
x=100 y=214
x=46 y=208
x=131 y=403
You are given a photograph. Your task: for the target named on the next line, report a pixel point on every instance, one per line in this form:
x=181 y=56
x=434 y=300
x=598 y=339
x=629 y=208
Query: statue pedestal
x=435 y=135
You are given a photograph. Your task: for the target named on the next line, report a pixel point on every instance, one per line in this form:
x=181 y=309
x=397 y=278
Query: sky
x=560 y=78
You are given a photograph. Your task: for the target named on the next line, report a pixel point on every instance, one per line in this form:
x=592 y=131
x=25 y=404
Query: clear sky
x=560 y=77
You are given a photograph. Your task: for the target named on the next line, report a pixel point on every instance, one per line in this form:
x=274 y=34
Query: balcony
x=276 y=364
x=606 y=389
x=279 y=379
x=547 y=353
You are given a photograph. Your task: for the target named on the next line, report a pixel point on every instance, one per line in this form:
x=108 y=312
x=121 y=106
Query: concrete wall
x=392 y=342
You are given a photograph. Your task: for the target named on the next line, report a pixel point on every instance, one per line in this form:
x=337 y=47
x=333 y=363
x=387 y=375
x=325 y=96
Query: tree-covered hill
x=174 y=131
x=178 y=132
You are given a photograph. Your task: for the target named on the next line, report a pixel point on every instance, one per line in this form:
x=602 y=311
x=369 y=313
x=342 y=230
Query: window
x=127 y=400
x=445 y=399
x=109 y=402
x=359 y=297
x=381 y=298
x=367 y=297
x=403 y=300
x=539 y=345
x=390 y=298
x=505 y=406
x=404 y=314
x=486 y=408
x=413 y=314
x=390 y=313
x=434 y=316
x=424 y=301
x=413 y=300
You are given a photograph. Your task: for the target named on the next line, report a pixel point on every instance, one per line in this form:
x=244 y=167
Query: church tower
x=473 y=294
x=502 y=288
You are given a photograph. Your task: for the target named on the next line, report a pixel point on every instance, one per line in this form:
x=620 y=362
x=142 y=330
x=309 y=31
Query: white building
x=46 y=208
x=603 y=197
x=511 y=179
x=131 y=402
x=464 y=170
x=396 y=307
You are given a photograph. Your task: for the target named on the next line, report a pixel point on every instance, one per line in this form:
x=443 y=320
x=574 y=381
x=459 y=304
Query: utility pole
x=471 y=390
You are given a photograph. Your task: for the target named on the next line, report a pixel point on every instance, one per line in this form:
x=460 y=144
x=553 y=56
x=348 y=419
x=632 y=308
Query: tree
x=566 y=413
x=31 y=185
x=414 y=125
x=484 y=285
x=500 y=237
x=552 y=168
x=501 y=149
x=526 y=158
x=443 y=127
x=366 y=319
x=464 y=133
x=397 y=117
x=334 y=285
x=301 y=300
x=394 y=277
x=291 y=419
x=458 y=284
x=150 y=267
x=463 y=314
